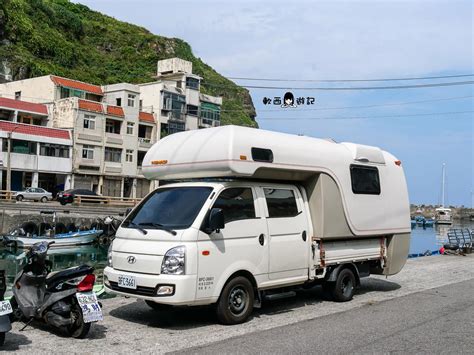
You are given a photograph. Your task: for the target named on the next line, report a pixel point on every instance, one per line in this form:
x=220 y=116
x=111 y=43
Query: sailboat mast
x=442 y=186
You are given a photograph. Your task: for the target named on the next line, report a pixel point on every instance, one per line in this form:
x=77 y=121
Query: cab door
x=240 y=245
x=288 y=232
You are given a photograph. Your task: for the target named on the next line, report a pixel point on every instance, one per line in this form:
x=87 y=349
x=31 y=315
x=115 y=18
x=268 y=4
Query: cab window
x=281 y=203
x=236 y=203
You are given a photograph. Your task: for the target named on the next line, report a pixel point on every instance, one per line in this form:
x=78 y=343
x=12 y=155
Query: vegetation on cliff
x=39 y=37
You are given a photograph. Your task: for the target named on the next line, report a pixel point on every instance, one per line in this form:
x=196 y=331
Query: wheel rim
x=238 y=300
x=347 y=286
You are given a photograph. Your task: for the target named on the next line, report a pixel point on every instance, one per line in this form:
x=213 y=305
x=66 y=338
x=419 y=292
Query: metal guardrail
x=108 y=200
x=79 y=199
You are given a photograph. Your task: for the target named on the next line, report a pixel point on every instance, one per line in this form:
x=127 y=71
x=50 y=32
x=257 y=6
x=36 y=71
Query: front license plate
x=5 y=308
x=127 y=281
x=90 y=307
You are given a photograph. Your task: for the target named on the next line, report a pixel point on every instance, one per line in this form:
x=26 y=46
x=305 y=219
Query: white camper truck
x=256 y=214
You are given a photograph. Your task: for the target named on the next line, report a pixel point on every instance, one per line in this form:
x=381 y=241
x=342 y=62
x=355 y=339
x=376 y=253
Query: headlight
x=109 y=256
x=174 y=261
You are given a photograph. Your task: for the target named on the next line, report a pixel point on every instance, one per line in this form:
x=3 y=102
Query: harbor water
x=423 y=241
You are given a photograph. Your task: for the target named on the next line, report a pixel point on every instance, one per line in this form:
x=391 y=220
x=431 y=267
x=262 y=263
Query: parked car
x=69 y=195
x=34 y=193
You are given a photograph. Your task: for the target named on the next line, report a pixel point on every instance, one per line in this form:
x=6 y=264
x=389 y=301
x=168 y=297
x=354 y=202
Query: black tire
x=62 y=202
x=44 y=199
x=30 y=227
x=2 y=339
x=343 y=289
x=78 y=329
x=235 y=303
x=158 y=306
x=43 y=227
x=19 y=198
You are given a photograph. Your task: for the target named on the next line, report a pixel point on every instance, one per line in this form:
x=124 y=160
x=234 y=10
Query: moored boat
x=61 y=240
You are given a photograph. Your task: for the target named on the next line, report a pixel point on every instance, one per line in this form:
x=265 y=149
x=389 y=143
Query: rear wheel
x=236 y=301
x=44 y=199
x=78 y=329
x=343 y=289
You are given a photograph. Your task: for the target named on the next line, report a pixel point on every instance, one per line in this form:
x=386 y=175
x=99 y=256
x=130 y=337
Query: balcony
x=144 y=142
x=208 y=123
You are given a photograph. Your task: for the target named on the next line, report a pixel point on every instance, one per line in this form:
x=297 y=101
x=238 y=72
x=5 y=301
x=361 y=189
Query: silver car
x=34 y=193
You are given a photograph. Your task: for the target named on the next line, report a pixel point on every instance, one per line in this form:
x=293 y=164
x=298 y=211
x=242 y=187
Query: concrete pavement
x=130 y=326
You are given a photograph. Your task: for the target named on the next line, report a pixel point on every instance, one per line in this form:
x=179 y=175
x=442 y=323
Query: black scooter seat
x=67 y=274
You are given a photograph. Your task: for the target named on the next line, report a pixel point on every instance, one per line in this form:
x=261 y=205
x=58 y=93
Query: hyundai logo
x=131 y=259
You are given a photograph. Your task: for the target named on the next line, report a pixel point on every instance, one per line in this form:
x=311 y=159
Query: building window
x=113 y=154
x=174 y=127
x=140 y=157
x=66 y=92
x=140 y=104
x=112 y=126
x=192 y=83
x=129 y=155
x=88 y=152
x=118 y=101
x=89 y=122
x=144 y=133
x=174 y=103
x=20 y=146
x=210 y=112
x=54 y=150
x=365 y=180
x=130 y=127
x=18 y=95
x=192 y=110
x=131 y=100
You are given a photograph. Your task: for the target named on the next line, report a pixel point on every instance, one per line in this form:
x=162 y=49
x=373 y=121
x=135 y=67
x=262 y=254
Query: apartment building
x=176 y=98
x=112 y=126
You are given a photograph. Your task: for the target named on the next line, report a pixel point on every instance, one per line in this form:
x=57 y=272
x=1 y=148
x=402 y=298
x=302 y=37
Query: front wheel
x=236 y=301
x=44 y=199
x=78 y=329
x=19 y=198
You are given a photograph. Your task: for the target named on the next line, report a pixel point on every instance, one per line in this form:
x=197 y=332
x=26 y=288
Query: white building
x=176 y=98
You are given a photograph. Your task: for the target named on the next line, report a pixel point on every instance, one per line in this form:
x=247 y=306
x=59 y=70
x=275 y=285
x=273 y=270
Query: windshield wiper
x=136 y=226
x=159 y=226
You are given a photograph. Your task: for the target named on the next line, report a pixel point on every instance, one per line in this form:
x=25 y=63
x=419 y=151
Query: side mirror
x=216 y=220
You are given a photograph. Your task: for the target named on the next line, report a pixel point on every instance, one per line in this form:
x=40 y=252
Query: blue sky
x=343 y=40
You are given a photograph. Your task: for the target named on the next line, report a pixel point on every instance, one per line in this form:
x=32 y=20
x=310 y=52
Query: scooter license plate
x=90 y=307
x=127 y=281
x=5 y=308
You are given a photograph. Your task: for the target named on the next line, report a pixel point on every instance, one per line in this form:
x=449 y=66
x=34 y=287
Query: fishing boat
x=60 y=240
x=443 y=215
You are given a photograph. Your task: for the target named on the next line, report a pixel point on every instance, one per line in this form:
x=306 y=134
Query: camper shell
x=351 y=219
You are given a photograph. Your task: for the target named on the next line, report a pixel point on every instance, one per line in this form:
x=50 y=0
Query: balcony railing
x=144 y=140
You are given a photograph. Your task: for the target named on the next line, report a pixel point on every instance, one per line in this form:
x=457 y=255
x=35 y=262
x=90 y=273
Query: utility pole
x=442 y=186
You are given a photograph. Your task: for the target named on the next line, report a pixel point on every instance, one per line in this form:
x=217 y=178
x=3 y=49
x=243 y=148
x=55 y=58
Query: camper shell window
x=262 y=155
x=365 y=180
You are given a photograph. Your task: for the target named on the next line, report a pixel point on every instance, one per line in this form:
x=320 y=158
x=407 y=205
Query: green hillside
x=39 y=37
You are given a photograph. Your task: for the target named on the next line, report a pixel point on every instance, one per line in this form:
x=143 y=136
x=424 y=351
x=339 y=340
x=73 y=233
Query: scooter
x=63 y=299
x=5 y=309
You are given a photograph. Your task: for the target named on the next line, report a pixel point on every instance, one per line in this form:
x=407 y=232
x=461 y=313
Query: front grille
x=140 y=290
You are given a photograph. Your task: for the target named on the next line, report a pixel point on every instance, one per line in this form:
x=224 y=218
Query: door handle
x=303 y=235
x=261 y=239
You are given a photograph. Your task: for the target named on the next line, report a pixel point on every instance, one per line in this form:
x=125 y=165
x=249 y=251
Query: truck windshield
x=169 y=208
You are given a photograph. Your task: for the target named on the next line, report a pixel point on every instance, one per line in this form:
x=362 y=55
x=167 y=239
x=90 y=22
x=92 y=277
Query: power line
x=417 y=86
x=351 y=80
x=365 y=117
